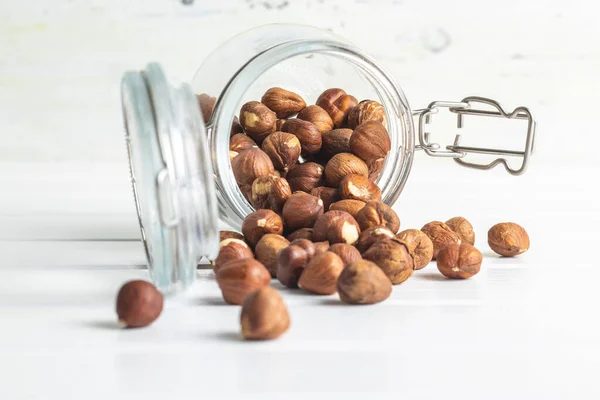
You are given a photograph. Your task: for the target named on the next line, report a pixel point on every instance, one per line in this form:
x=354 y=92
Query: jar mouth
x=233 y=206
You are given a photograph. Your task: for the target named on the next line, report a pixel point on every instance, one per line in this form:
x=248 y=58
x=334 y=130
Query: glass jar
x=181 y=173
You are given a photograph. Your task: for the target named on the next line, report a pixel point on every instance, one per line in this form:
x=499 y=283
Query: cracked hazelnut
x=419 y=246
x=508 y=239
x=257 y=120
x=231 y=249
x=301 y=210
x=370 y=141
x=459 y=261
x=303 y=233
x=305 y=176
x=259 y=223
x=139 y=303
x=267 y=249
x=338 y=104
x=283 y=148
x=393 y=258
x=236 y=127
x=283 y=102
x=352 y=207
x=366 y=110
x=337 y=141
x=372 y=235
x=321 y=273
x=207 y=105
x=250 y=164
x=363 y=282
x=377 y=213
x=327 y=194
x=346 y=252
x=336 y=227
x=230 y=235
x=307 y=133
x=264 y=315
x=341 y=165
x=270 y=192
x=358 y=187
x=240 y=142
x=292 y=260
x=239 y=278
x=441 y=236
x=463 y=229
x=317 y=116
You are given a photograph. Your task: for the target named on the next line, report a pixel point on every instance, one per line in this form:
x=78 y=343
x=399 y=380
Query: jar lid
x=171 y=176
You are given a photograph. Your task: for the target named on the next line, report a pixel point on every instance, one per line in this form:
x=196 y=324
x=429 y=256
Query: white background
x=522 y=328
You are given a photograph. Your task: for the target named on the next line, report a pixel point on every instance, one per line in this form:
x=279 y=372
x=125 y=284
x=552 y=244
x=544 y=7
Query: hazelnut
x=366 y=110
x=346 y=252
x=419 y=246
x=338 y=104
x=459 y=261
x=259 y=223
x=279 y=124
x=337 y=141
x=257 y=120
x=372 y=235
x=264 y=315
x=283 y=148
x=352 y=207
x=270 y=192
x=307 y=133
x=283 y=102
x=301 y=210
x=207 y=105
x=441 y=236
x=303 y=233
x=377 y=213
x=359 y=187
x=240 y=142
x=363 y=282
x=343 y=164
x=317 y=116
x=508 y=239
x=247 y=192
x=321 y=247
x=236 y=127
x=463 y=229
x=321 y=273
x=336 y=227
x=292 y=260
x=370 y=141
x=328 y=195
x=230 y=235
x=139 y=304
x=267 y=249
x=305 y=176
x=375 y=168
x=229 y=250
x=250 y=164
x=239 y=278
x=307 y=245
x=393 y=258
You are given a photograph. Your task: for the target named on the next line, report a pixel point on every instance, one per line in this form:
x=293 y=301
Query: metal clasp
x=458 y=152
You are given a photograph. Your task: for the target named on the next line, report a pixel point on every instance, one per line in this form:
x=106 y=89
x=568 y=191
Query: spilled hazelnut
x=239 y=278
x=459 y=261
x=327 y=194
x=419 y=246
x=321 y=273
x=377 y=213
x=139 y=304
x=301 y=210
x=358 y=187
x=341 y=165
x=264 y=315
x=441 y=236
x=346 y=252
x=267 y=249
x=292 y=260
x=363 y=282
x=371 y=235
x=393 y=258
x=259 y=223
x=352 y=207
x=336 y=227
x=283 y=102
x=463 y=229
x=231 y=249
x=508 y=239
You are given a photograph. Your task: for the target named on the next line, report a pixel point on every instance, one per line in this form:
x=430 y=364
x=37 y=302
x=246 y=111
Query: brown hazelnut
x=229 y=250
x=307 y=133
x=230 y=235
x=207 y=105
x=338 y=104
x=317 y=116
x=375 y=168
x=307 y=245
x=292 y=260
x=259 y=223
x=327 y=194
x=337 y=141
x=236 y=127
x=508 y=239
x=336 y=227
x=250 y=164
x=441 y=236
x=301 y=210
x=240 y=142
x=370 y=141
x=459 y=261
x=352 y=207
x=372 y=235
x=139 y=304
x=346 y=252
x=283 y=148
x=257 y=120
x=343 y=164
x=393 y=258
x=267 y=249
x=321 y=273
x=279 y=125
x=303 y=233
x=239 y=278
x=270 y=192
x=463 y=229
x=264 y=315
x=305 y=176
x=419 y=246
x=321 y=247
x=359 y=187
x=366 y=110
x=377 y=213
x=283 y=102
x=363 y=282
x=246 y=192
